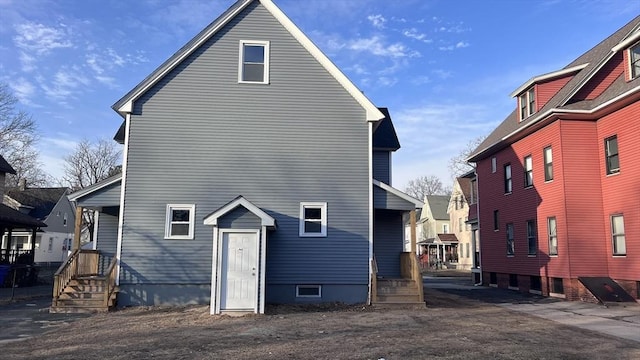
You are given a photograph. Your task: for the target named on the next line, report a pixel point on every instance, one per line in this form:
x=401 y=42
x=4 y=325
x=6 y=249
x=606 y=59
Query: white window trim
x=262 y=43
x=323 y=219
x=167 y=224
x=632 y=76
x=319 y=287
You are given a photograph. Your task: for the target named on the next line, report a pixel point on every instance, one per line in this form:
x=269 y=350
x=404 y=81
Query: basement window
x=314 y=291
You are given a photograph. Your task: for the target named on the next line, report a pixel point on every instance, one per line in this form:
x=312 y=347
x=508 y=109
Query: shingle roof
x=465 y=186
x=15 y=219
x=5 y=167
x=384 y=134
x=566 y=98
x=42 y=200
x=439 y=205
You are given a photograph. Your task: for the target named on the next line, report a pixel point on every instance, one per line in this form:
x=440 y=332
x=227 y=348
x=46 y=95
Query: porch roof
x=387 y=197
x=266 y=219
x=101 y=194
x=11 y=218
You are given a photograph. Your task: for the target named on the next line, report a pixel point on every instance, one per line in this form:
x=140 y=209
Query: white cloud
x=414 y=34
x=387 y=81
x=65 y=83
x=458 y=45
x=376 y=46
x=23 y=90
x=377 y=21
x=41 y=39
x=28 y=62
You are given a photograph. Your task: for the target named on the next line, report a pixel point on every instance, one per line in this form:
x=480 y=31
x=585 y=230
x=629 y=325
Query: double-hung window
x=496 y=223
x=634 y=58
x=254 y=62
x=548 y=164
x=532 y=239
x=508 y=185
x=553 y=236
x=180 y=222
x=313 y=219
x=528 y=171
x=617 y=235
x=511 y=250
x=527 y=102
x=611 y=155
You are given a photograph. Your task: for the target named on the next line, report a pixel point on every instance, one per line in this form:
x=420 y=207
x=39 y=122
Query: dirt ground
x=452 y=327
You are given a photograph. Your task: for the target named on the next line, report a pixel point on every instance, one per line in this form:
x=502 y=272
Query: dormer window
x=253 y=64
x=634 y=58
x=527 y=103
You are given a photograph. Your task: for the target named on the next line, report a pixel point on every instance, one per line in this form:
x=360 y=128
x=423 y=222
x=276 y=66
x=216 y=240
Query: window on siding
x=254 y=62
x=508 y=184
x=180 y=222
x=548 y=164
x=511 y=248
x=496 y=223
x=473 y=192
x=313 y=219
x=611 y=155
x=528 y=171
x=532 y=238
x=309 y=291
x=527 y=103
x=445 y=228
x=64 y=219
x=634 y=58
x=617 y=235
x=494 y=164
x=50 y=247
x=460 y=224
x=553 y=236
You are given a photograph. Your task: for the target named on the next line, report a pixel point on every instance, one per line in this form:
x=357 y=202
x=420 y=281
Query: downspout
x=123 y=182
x=477 y=238
x=370 y=181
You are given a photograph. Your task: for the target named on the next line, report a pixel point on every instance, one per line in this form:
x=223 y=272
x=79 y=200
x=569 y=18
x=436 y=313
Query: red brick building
x=559 y=179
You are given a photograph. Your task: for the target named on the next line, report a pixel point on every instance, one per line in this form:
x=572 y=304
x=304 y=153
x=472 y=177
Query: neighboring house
x=558 y=179
x=434 y=221
x=50 y=206
x=254 y=172
x=13 y=220
x=458 y=211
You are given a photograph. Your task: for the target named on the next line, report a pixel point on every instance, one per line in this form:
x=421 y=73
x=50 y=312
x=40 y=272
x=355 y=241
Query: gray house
x=254 y=172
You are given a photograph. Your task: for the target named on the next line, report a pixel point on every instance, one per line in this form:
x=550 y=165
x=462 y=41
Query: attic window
x=254 y=62
x=634 y=58
x=527 y=103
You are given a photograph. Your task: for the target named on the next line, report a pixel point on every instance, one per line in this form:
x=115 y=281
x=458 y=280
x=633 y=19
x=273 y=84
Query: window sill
x=493 y=285
x=532 y=255
x=553 y=255
x=254 y=82
x=178 y=238
x=548 y=181
x=619 y=255
x=508 y=193
x=510 y=256
x=556 y=295
x=537 y=292
x=613 y=174
x=513 y=288
x=312 y=235
x=528 y=187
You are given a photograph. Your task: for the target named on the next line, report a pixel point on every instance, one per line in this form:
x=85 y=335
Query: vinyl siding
x=546 y=90
x=385 y=200
x=56 y=223
x=107 y=234
x=382 y=166
x=107 y=196
x=239 y=218
x=198 y=137
x=603 y=79
x=388 y=242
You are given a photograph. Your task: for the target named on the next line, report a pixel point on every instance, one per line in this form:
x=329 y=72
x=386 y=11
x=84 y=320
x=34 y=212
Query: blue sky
x=444 y=68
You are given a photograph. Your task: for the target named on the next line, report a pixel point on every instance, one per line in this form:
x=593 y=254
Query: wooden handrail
x=64 y=274
x=374 y=281
x=110 y=281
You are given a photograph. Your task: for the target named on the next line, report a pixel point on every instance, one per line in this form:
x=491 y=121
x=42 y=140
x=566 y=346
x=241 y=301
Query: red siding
x=581 y=197
x=603 y=79
x=621 y=192
x=546 y=90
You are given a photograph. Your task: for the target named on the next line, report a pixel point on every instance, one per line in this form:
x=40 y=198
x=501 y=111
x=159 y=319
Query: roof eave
x=547 y=76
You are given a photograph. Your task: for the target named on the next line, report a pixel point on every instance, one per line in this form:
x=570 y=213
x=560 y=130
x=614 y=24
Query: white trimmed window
x=527 y=103
x=617 y=235
x=253 y=62
x=314 y=291
x=180 y=221
x=313 y=219
x=634 y=59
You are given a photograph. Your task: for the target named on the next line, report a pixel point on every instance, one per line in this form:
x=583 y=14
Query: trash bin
x=4 y=271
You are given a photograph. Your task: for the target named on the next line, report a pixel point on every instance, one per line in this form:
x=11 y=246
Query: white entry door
x=239 y=273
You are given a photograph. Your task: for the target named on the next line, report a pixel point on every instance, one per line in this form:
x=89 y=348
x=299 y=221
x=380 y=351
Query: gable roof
x=439 y=205
x=384 y=133
x=465 y=187
x=266 y=219
x=5 y=168
x=564 y=101
x=41 y=200
x=125 y=104
x=95 y=187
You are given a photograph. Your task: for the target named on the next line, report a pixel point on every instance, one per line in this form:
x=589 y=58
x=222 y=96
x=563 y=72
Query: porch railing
x=374 y=281
x=14 y=256
x=410 y=269
x=80 y=262
x=110 y=282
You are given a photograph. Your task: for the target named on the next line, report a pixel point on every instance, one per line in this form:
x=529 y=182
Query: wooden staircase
x=399 y=293
x=79 y=289
x=405 y=292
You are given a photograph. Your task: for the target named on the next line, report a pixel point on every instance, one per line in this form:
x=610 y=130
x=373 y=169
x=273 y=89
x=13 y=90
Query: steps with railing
x=78 y=287
x=405 y=292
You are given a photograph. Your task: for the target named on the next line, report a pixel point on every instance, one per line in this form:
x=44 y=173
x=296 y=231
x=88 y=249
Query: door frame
x=216 y=268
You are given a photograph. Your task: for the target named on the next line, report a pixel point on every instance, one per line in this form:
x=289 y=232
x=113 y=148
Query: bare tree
x=425 y=185
x=90 y=163
x=458 y=164
x=18 y=136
